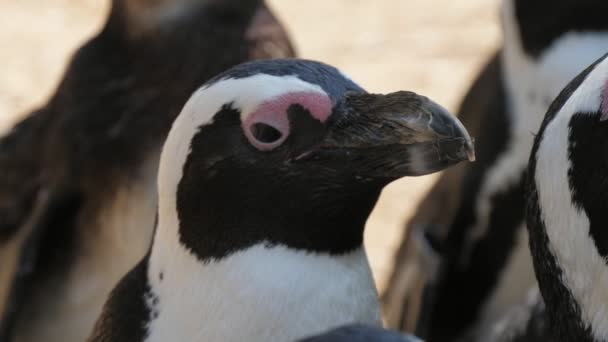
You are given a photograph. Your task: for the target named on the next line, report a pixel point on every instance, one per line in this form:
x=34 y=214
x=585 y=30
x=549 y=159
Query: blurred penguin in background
x=78 y=191
x=465 y=259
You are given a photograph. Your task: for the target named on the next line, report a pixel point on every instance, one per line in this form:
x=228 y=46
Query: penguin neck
x=572 y=275
x=287 y=290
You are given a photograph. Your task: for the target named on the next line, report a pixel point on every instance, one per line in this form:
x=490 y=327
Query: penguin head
x=292 y=152
x=568 y=206
x=140 y=18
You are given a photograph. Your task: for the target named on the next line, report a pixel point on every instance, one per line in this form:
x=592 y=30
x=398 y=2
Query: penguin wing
x=19 y=178
x=409 y=291
x=266 y=36
x=125 y=314
x=20 y=186
x=29 y=205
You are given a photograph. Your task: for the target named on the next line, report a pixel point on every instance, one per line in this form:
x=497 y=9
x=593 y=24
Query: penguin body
x=476 y=231
x=265 y=183
x=81 y=190
x=566 y=211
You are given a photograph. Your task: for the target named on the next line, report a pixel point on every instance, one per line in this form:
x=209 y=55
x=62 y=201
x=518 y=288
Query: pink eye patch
x=268 y=126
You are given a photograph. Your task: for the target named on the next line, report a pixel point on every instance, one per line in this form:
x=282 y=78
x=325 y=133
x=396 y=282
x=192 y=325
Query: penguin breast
x=263 y=293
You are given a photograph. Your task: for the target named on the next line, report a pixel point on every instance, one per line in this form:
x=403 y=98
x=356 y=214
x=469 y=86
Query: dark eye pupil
x=265 y=133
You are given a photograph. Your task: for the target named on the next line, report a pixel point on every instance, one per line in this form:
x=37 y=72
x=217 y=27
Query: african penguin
x=265 y=183
x=567 y=208
x=360 y=333
x=78 y=190
x=466 y=259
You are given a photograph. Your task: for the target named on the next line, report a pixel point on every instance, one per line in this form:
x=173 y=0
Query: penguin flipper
x=407 y=292
x=29 y=206
x=19 y=175
x=20 y=200
x=19 y=259
x=126 y=313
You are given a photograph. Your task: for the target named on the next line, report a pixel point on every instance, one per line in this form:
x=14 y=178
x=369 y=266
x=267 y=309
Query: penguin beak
x=393 y=136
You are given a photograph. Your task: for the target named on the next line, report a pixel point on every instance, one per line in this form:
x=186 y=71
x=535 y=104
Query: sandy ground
x=433 y=47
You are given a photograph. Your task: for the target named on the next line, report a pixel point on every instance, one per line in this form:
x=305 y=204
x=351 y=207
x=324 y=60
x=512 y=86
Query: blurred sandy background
x=433 y=47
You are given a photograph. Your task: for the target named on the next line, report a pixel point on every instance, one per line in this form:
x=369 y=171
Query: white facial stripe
x=257 y=89
x=584 y=271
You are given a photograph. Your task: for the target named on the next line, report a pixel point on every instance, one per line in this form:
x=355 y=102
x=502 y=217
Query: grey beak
x=395 y=135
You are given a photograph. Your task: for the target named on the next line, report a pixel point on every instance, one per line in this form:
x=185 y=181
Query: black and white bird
x=360 y=333
x=78 y=176
x=265 y=183
x=467 y=252
x=567 y=209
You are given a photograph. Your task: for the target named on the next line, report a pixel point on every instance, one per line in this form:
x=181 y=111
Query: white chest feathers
x=261 y=294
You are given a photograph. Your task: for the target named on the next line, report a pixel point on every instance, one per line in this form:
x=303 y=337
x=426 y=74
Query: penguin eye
x=266 y=130
x=265 y=133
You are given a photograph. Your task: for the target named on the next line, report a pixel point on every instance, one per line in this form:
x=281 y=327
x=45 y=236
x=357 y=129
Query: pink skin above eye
x=274 y=113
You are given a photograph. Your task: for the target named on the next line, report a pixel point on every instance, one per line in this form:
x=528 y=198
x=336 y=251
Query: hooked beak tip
x=471 y=150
